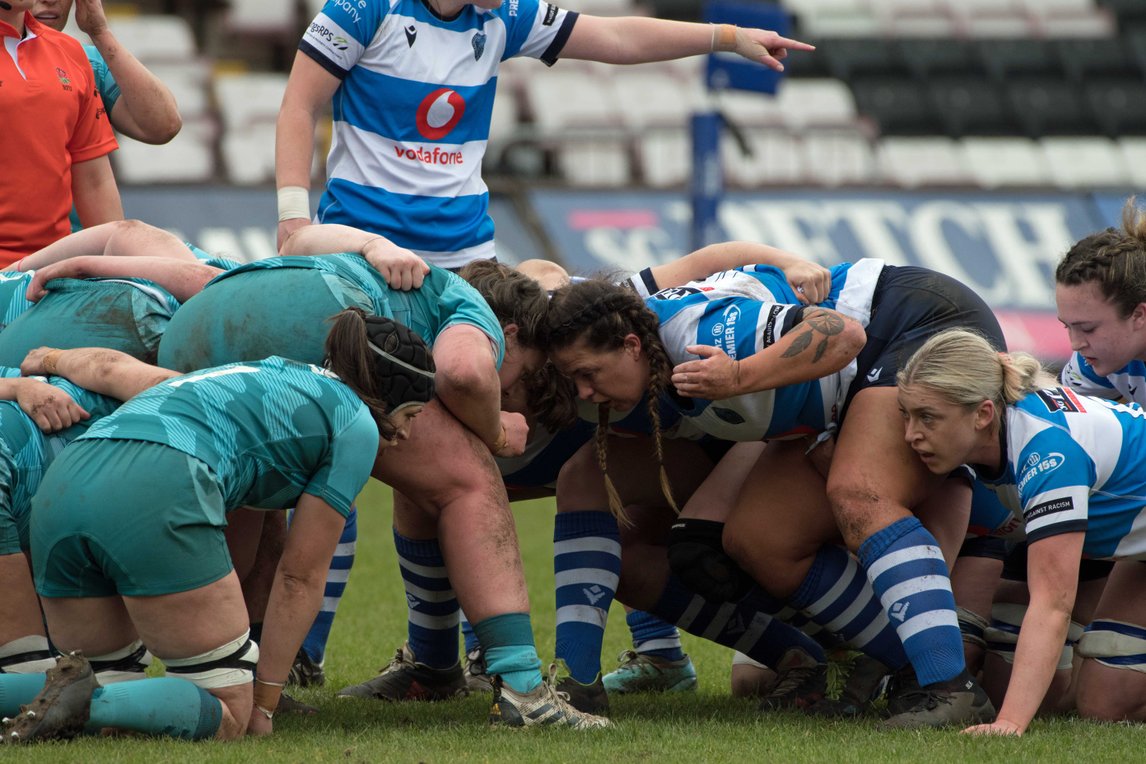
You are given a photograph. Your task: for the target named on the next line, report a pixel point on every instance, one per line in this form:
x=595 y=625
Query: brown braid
x=602 y=314
x=1115 y=259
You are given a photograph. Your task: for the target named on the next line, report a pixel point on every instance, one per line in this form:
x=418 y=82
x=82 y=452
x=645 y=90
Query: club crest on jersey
x=479 y=45
x=676 y=293
x=1060 y=399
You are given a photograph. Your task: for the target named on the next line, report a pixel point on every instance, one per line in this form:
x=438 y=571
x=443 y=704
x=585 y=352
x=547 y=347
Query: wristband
x=723 y=37
x=294 y=202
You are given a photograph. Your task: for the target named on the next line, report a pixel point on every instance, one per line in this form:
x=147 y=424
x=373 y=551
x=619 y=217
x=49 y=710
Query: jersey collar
x=32 y=27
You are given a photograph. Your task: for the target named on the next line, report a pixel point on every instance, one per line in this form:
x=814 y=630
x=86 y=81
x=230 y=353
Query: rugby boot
x=861 y=689
x=292 y=705
x=543 y=706
x=305 y=672
x=477 y=680
x=590 y=698
x=801 y=680
x=650 y=673
x=959 y=701
x=406 y=679
x=61 y=709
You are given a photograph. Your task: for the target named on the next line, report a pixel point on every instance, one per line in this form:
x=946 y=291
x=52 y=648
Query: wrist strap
x=294 y=202
x=723 y=37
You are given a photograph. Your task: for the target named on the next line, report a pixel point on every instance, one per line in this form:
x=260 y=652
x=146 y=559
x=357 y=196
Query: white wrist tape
x=294 y=202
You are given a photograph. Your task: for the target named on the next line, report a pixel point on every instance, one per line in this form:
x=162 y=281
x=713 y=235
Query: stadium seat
x=249 y=153
x=651 y=96
x=1118 y=106
x=816 y=102
x=665 y=157
x=249 y=96
x=154 y=38
x=595 y=163
x=861 y=24
x=261 y=17
x=1005 y=60
x=837 y=157
x=1006 y=162
x=1092 y=25
x=970 y=107
x=851 y=59
x=189 y=158
x=898 y=106
x=1085 y=163
x=1133 y=154
x=1050 y=107
x=929 y=161
x=1059 y=7
x=774 y=160
x=927 y=58
x=1087 y=59
x=998 y=27
x=923 y=25
x=188 y=82
x=746 y=109
x=505 y=118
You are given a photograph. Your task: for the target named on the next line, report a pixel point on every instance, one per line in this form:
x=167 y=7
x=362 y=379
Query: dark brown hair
x=348 y=355
x=602 y=314
x=514 y=297
x=1115 y=259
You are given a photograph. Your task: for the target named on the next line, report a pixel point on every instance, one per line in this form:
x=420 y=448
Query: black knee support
x=696 y=555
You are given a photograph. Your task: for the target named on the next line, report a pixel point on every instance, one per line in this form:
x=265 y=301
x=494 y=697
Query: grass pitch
x=705 y=726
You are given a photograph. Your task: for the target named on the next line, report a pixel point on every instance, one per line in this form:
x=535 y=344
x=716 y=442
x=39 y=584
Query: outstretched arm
x=1052 y=576
x=811 y=282
x=183 y=279
x=401 y=268
x=639 y=40
x=123 y=238
x=146 y=109
x=821 y=344
x=101 y=370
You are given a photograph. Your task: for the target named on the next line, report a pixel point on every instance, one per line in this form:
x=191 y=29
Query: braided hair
x=1115 y=259
x=602 y=314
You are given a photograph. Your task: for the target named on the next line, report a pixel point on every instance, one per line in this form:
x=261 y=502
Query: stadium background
x=976 y=137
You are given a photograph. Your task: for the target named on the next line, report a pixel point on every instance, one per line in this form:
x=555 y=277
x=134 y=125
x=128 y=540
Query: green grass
x=706 y=726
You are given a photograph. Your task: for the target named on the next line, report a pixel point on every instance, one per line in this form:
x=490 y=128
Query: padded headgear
x=403 y=362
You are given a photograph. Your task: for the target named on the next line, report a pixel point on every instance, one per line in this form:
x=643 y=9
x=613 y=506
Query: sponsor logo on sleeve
x=550 y=14
x=675 y=293
x=513 y=8
x=1060 y=399
x=1037 y=464
x=770 y=325
x=1052 y=507
x=727 y=337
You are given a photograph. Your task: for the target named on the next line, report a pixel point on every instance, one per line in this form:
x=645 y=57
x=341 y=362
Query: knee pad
x=26 y=655
x=972 y=626
x=697 y=557
x=1003 y=634
x=122 y=665
x=1115 y=643
x=225 y=666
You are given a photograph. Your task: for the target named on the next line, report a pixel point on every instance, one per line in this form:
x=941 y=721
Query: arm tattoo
x=828 y=323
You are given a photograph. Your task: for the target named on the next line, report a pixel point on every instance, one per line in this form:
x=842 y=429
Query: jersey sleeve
x=92 y=136
x=351 y=458
x=1079 y=376
x=104 y=80
x=1054 y=475
x=339 y=34
x=536 y=29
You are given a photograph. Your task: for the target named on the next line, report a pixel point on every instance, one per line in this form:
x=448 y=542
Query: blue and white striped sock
x=587 y=564
x=837 y=596
x=336 y=578
x=432 y=605
x=907 y=570
x=757 y=634
x=652 y=636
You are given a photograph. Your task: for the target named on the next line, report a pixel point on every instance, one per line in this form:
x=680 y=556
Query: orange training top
x=51 y=117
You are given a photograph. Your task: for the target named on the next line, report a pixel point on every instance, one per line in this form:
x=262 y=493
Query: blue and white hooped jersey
x=1128 y=383
x=13 y=302
x=1074 y=464
x=413 y=112
x=743 y=311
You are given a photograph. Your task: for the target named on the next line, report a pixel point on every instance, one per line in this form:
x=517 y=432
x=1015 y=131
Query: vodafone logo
x=439 y=113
